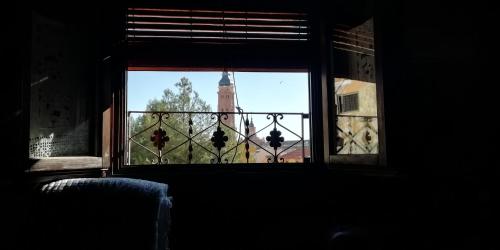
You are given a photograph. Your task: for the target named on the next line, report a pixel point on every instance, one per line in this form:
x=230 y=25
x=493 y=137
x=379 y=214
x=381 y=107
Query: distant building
x=355 y=97
x=295 y=152
x=258 y=146
x=226 y=98
x=356 y=103
x=252 y=131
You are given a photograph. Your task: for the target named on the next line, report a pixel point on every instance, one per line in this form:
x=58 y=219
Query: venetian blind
x=215 y=26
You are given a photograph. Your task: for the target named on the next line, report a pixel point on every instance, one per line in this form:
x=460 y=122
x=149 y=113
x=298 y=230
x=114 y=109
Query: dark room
x=249 y=125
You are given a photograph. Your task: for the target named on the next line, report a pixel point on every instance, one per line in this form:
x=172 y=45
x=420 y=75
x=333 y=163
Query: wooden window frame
x=363 y=161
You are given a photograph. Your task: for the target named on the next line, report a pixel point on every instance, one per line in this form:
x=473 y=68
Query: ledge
x=65 y=163
x=358 y=159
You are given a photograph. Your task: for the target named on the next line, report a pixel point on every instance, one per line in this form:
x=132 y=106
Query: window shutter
x=354 y=51
x=215 y=26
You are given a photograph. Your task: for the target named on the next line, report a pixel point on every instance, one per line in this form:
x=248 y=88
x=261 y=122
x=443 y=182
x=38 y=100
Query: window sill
x=65 y=163
x=361 y=159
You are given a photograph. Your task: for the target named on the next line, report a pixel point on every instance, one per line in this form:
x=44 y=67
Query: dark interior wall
x=438 y=94
x=15 y=52
x=12 y=119
x=436 y=57
x=279 y=208
x=69 y=99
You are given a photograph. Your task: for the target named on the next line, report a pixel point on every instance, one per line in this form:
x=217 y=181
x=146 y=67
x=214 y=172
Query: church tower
x=252 y=129
x=226 y=98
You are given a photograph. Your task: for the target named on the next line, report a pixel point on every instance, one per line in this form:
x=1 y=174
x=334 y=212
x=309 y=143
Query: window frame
x=90 y=162
x=322 y=116
x=360 y=160
x=305 y=116
x=138 y=63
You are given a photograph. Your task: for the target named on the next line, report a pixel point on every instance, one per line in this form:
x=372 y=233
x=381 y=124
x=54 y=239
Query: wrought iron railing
x=160 y=137
x=357 y=134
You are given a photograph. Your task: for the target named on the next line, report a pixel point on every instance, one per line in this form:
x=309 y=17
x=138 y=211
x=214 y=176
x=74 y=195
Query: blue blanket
x=100 y=213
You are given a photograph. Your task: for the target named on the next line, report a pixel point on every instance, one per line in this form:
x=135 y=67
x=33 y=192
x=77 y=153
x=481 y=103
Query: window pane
x=357 y=127
x=174 y=117
x=355 y=89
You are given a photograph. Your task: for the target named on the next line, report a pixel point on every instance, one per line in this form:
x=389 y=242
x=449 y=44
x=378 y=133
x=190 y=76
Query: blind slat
x=132 y=20
x=354 y=53
x=215 y=13
x=221 y=28
x=358 y=39
x=195 y=33
x=222 y=36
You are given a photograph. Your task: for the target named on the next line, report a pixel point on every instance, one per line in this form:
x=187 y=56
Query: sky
x=257 y=92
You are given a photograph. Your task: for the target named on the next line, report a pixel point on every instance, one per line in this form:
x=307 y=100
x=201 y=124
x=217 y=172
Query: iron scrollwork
x=221 y=141
x=159 y=138
x=190 y=147
x=275 y=139
x=247 y=144
x=356 y=135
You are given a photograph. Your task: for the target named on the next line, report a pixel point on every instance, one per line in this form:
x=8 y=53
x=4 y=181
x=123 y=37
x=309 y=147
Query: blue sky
x=257 y=92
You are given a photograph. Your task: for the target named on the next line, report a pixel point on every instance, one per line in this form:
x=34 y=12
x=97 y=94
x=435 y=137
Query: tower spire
x=225 y=81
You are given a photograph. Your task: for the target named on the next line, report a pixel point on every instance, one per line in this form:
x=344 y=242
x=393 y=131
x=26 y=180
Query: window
x=244 y=41
x=63 y=130
x=192 y=41
x=355 y=94
x=347 y=103
x=178 y=117
x=189 y=39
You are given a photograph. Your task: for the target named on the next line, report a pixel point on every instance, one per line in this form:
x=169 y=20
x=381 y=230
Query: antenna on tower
x=240 y=110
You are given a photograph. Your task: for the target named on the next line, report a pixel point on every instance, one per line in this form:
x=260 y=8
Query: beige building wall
x=363 y=130
x=367 y=95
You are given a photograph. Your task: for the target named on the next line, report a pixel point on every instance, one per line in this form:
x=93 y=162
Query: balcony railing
x=357 y=134
x=160 y=137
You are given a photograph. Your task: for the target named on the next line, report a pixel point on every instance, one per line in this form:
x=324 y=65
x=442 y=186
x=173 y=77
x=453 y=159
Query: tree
x=176 y=110
x=176 y=125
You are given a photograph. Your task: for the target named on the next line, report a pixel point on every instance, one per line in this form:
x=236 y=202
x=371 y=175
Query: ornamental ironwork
x=190 y=132
x=206 y=137
x=356 y=134
x=219 y=139
x=275 y=139
x=159 y=138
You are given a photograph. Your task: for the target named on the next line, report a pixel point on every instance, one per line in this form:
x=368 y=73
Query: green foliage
x=176 y=125
x=177 y=128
